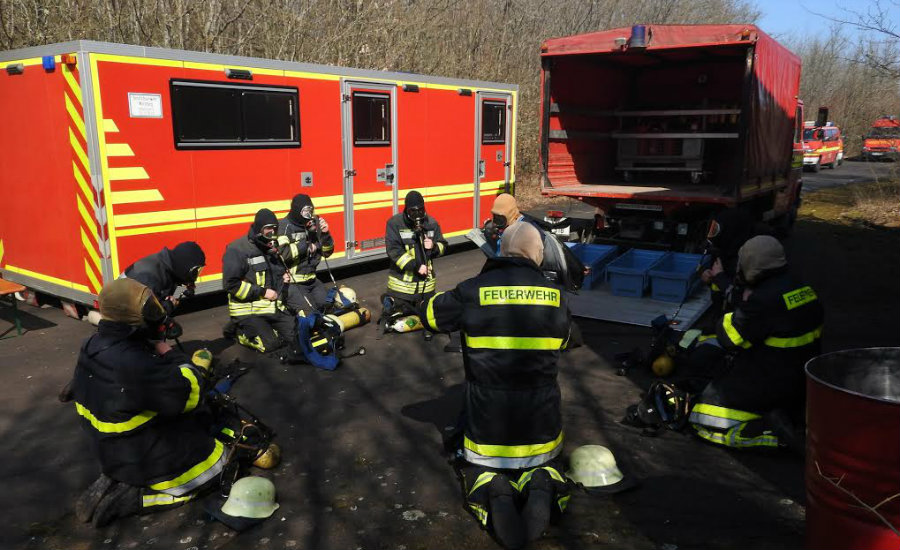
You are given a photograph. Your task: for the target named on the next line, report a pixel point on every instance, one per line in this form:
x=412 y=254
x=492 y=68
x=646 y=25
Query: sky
x=784 y=18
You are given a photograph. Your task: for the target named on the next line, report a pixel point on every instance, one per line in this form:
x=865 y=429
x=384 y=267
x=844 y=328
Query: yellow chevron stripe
x=83 y=185
x=73 y=84
x=89 y=246
x=86 y=216
x=140 y=195
x=128 y=173
x=109 y=125
x=94 y=280
x=79 y=151
x=119 y=150
x=1 y=251
x=75 y=116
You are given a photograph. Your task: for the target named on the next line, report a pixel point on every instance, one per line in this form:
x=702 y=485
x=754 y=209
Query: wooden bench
x=9 y=288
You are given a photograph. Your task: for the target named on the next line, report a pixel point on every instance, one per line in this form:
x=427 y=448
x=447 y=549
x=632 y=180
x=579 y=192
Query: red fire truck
x=883 y=139
x=823 y=144
x=111 y=152
x=660 y=126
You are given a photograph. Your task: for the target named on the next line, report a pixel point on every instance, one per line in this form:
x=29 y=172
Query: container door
x=492 y=137
x=370 y=164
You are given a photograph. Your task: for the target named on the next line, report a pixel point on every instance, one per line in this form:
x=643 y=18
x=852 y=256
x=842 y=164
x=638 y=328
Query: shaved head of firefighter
x=522 y=240
x=760 y=257
x=265 y=226
x=302 y=210
x=414 y=208
x=128 y=301
x=505 y=210
x=187 y=261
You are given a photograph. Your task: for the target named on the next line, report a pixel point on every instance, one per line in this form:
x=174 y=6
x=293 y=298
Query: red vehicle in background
x=823 y=145
x=661 y=126
x=883 y=139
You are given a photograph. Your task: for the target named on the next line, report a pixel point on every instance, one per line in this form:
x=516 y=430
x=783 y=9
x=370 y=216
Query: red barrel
x=853 y=435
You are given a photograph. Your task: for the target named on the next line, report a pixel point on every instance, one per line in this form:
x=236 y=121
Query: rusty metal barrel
x=853 y=450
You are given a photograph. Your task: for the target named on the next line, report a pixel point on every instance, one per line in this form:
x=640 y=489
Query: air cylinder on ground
x=853 y=450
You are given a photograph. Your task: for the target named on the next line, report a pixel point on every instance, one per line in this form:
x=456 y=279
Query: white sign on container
x=144 y=105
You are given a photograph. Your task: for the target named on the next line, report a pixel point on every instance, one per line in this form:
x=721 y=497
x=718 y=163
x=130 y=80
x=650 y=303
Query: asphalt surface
x=362 y=461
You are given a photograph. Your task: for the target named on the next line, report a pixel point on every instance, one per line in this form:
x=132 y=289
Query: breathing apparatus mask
x=264 y=229
x=414 y=210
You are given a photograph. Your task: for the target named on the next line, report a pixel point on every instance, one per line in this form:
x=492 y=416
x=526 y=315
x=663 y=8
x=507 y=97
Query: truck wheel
x=817 y=166
x=840 y=159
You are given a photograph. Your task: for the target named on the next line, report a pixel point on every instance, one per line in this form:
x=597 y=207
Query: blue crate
x=674 y=277
x=595 y=256
x=628 y=274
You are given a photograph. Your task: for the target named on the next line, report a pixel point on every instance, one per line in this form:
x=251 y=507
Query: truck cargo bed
x=602 y=305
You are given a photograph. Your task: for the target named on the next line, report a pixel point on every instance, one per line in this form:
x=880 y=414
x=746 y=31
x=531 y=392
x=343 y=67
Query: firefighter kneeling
x=253 y=275
x=514 y=324
x=748 y=380
x=140 y=403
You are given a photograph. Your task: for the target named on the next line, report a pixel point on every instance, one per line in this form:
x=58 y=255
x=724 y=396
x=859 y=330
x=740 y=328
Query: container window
x=493 y=122
x=210 y=115
x=371 y=118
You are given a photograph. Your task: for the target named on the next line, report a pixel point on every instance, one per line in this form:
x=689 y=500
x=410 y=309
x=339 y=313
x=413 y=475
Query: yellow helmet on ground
x=269 y=458
x=593 y=466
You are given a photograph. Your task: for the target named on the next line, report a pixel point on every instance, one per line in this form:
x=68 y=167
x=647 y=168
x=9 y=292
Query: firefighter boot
x=88 y=500
x=387 y=310
x=121 y=501
x=229 y=331
x=536 y=512
x=505 y=518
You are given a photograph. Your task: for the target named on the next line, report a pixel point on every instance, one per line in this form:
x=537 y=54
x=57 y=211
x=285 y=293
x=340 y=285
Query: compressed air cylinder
x=351 y=319
x=409 y=323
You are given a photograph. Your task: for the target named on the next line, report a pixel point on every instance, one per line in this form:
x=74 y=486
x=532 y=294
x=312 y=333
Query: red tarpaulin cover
x=776 y=82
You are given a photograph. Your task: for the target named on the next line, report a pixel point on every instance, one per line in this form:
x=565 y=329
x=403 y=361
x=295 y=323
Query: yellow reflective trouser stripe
x=513 y=342
x=722 y=412
x=483 y=478
x=163 y=499
x=404 y=259
x=732 y=332
x=304 y=277
x=526 y=477
x=256 y=343
x=194 y=396
x=243 y=291
x=191 y=474
x=513 y=451
x=429 y=312
x=480 y=513
x=795 y=342
x=732 y=438
x=114 y=427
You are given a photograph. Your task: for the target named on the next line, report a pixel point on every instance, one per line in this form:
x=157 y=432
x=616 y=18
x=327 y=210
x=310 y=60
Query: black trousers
x=266 y=333
x=307 y=297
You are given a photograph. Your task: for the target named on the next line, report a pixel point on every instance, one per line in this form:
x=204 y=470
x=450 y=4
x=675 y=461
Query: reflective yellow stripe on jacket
x=413 y=288
x=795 y=342
x=512 y=456
x=114 y=427
x=513 y=342
x=732 y=332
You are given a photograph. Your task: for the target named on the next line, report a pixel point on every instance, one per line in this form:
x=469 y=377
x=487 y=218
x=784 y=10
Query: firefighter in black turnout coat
x=413 y=239
x=303 y=240
x=139 y=403
x=253 y=276
x=514 y=323
x=166 y=270
x=772 y=332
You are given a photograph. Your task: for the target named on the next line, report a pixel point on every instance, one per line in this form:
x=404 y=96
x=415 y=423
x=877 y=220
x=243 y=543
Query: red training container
x=853 y=435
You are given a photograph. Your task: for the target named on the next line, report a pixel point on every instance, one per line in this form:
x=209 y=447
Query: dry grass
x=875 y=204
x=528 y=194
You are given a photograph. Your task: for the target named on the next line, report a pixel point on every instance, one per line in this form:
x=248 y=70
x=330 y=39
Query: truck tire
x=818 y=165
x=840 y=159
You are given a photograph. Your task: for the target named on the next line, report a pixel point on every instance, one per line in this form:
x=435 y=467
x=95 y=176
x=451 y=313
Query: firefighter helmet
x=251 y=497
x=346 y=296
x=269 y=458
x=593 y=466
